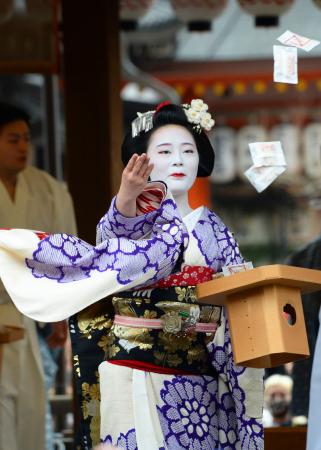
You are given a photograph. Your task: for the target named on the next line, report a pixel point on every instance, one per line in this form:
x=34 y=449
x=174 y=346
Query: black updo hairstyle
x=170 y=114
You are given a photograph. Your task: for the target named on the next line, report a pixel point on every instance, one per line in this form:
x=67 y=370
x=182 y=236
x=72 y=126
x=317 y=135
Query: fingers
x=138 y=165
x=131 y=163
x=148 y=170
x=145 y=168
x=141 y=165
x=217 y=275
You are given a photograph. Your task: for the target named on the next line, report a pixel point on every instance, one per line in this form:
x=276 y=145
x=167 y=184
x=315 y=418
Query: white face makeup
x=173 y=152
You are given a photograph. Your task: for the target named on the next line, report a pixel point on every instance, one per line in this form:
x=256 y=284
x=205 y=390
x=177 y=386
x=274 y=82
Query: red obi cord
x=149 y=367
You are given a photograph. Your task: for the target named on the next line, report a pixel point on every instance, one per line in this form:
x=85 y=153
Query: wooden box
x=265 y=312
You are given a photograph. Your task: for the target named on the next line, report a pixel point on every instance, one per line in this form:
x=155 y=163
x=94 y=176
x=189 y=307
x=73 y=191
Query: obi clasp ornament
x=175 y=322
x=172 y=322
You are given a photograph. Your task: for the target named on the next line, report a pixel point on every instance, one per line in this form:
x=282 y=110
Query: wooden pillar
x=91 y=64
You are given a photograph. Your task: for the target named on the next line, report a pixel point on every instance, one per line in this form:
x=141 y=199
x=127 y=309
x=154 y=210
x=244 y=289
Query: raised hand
x=133 y=182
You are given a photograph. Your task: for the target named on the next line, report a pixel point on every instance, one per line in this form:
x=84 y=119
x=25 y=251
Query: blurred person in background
x=277 y=398
x=29 y=198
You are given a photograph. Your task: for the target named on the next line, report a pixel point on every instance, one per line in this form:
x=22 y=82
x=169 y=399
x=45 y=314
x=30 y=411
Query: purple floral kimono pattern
x=195 y=412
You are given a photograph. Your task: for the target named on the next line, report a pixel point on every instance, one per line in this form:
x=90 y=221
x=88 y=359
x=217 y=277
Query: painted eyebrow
x=164 y=144
x=168 y=143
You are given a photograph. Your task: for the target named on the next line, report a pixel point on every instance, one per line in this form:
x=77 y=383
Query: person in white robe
x=29 y=198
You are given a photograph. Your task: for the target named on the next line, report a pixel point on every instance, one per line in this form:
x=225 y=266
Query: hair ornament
x=196 y=114
x=161 y=105
x=143 y=122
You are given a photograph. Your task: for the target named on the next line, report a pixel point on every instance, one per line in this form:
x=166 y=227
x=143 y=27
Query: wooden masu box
x=265 y=312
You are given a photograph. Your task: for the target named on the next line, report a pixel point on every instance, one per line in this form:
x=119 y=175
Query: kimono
x=41 y=202
x=171 y=385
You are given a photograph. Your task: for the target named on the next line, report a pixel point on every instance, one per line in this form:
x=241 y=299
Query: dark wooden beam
x=91 y=63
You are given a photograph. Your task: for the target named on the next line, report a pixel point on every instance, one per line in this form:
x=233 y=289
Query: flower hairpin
x=196 y=114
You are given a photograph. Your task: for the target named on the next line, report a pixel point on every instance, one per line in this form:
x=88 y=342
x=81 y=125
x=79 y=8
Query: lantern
x=198 y=14
x=289 y=136
x=266 y=12
x=131 y=11
x=223 y=142
x=6 y=10
x=247 y=134
x=311 y=150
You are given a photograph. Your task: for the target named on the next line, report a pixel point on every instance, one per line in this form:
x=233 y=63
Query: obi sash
x=162 y=327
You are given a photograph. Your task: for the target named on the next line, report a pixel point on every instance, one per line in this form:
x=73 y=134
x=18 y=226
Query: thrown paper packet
x=267 y=153
x=234 y=268
x=285 y=64
x=295 y=40
x=262 y=177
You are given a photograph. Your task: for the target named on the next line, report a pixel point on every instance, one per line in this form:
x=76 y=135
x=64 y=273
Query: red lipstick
x=178 y=175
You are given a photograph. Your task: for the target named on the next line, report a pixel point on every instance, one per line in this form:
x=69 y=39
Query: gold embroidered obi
x=177 y=343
